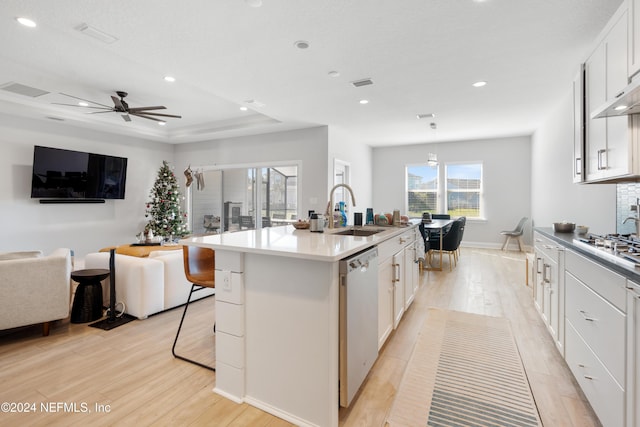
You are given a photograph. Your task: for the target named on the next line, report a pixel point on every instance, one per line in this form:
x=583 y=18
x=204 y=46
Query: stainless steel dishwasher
x=358 y=320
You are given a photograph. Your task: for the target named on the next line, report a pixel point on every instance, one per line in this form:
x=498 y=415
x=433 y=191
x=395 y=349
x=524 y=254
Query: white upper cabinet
x=634 y=37
x=609 y=146
x=578 y=126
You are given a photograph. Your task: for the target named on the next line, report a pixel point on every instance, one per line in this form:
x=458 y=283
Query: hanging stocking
x=189 y=175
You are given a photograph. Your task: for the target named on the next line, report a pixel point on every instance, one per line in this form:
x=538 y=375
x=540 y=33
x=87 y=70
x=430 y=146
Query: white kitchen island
x=277 y=318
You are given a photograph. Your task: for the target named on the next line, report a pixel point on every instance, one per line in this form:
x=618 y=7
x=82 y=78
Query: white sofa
x=147 y=285
x=34 y=288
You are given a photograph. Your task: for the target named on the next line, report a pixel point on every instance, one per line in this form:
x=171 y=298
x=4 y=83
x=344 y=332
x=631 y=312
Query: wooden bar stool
x=199 y=267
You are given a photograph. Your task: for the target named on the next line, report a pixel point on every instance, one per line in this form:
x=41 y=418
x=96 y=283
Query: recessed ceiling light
x=426 y=116
x=620 y=107
x=253 y=3
x=169 y=79
x=162 y=123
x=364 y=101
x=301 y=44
x=479 y=84
x=83 y=104
x=26 y=22
x=243 y=108
x=254 y=103
x=334 y=73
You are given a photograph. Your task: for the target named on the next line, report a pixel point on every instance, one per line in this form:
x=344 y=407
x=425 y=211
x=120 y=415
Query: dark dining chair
x=199 y=268
x=463 y=220
x=451 y=242
x=435 y=235
x=425 y=237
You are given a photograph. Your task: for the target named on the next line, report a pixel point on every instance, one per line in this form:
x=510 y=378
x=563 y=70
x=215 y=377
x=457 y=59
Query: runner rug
x=465 y=370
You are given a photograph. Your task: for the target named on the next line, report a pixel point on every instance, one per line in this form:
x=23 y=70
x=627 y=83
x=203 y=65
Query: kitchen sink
x=358 y=232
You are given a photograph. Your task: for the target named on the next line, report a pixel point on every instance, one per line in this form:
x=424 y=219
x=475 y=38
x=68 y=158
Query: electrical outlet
x=226 y=281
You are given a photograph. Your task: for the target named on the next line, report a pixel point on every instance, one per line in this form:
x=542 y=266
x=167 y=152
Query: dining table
x=439 y=226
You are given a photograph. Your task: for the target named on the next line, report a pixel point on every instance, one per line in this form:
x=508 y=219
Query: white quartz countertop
x=288 y=242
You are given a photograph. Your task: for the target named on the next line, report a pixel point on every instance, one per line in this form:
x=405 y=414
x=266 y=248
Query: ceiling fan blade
x=141 y=109
x=120 y=105
x=117 y=102
x=146 y=117
x=85 y=100
x=155 y=114
x=83 y=106
x=110 y=110
x=126 y=117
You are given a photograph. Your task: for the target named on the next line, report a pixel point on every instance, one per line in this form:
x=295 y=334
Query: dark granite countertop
x=567 y=240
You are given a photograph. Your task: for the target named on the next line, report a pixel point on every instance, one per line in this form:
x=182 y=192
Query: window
x=461 y=189
x=422 y=190
x=464 y=189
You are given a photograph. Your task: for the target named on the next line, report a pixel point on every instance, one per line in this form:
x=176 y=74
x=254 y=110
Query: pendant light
x=432 y=158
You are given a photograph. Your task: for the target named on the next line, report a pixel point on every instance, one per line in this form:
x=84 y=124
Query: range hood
x=625 y=103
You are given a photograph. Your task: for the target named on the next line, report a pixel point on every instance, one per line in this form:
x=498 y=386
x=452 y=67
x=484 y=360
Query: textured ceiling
x=422 y=55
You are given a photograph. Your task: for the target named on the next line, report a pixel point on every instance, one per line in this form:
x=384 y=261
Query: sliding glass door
x=233 y=199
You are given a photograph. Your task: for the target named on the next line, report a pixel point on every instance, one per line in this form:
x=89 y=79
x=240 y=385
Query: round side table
x=87 y=303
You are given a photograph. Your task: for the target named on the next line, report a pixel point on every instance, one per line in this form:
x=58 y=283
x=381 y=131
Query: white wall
x=359 y=157
x=306 y=146
x=506 y=180
x=27 y=224
x=554 y=196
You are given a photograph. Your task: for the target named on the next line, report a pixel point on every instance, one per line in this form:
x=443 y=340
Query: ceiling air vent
x=362 y=82
x=23 y=90
x=97 y=34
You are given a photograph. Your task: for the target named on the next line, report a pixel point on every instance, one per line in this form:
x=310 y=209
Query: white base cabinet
x=398 y=279
x=596 y=336
x=549 y=286
x=633 y=354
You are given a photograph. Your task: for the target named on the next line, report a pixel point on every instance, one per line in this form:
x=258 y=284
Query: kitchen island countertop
x=289 y=242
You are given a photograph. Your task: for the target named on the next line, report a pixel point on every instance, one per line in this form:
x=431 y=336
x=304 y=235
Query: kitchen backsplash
x=626 y=195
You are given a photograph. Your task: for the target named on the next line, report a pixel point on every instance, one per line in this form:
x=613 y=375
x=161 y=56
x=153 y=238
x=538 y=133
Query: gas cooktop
x=623 y=249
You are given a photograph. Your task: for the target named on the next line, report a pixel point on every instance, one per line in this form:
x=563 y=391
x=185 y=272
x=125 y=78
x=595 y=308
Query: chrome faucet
x=635 y=218
x=329 y=211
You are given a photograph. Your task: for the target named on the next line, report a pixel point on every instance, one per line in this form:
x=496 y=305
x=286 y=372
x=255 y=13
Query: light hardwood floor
x=131 y=372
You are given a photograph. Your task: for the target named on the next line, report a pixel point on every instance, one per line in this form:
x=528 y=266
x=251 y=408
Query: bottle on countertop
x=338 y=221
x=344 y=214
x=369 y=220
x=396 y=217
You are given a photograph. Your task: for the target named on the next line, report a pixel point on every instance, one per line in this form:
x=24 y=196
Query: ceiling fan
x=120 y=106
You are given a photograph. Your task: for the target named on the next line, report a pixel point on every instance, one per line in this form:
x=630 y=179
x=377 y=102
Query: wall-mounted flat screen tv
x=67 y=174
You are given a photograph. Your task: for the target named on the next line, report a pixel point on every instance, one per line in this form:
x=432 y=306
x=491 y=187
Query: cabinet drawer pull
x=602 y=159
x=585 y=317
x=588 y=377
x=396 y=273
x=545 y=279
x=402 y=240
x=538 y=265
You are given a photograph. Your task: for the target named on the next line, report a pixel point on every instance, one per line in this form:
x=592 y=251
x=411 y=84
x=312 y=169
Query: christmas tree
x=163 y=210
